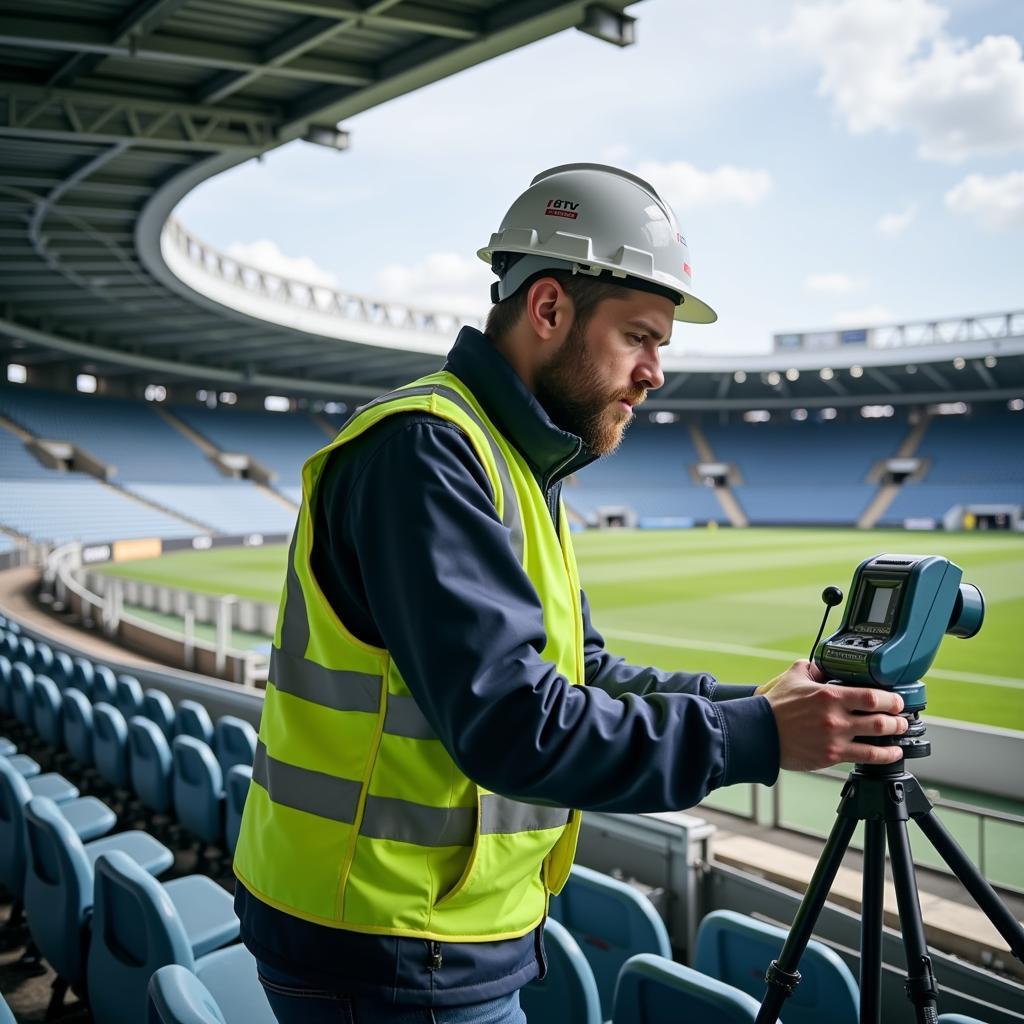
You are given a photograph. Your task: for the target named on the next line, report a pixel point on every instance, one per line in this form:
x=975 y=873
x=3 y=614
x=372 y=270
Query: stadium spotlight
x=609 y=25
x=328 y=136
x=990 y=361
x=876 y=412
x=16 y=373
x=757 y=416
x=828 y=413
x=792 y=374
x=86 y=383
x=826 y=373
x=1015 y=405
x=959 y=363
x=335 y=408
x=798 y=414
x=277 y=403
x=774 y=379
x=911 y=369
x=857 y=371
x=228 y=398
x=739 y=376
x=155 y=393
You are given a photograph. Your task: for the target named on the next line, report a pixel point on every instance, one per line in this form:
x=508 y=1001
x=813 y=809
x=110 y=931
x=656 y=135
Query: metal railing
x=308 y=295
x=954 y=331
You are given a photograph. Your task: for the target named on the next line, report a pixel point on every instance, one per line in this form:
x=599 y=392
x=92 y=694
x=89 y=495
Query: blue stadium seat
x=568 y=992
x=229 y=975
x=198 y=789
x=24 y=765
x=81 y=675
x=7 y=747
x=654 y=990
x=43 y=661
x=140 y=926
x=59 y=887
x=149 y=764
x=611 y=921
x=194 y=720
x=62 y=671
x=5 y=686
x=129 y=696
x=47 y=714
x=236 y=789
x=26 y=650
x=234 y=742
x=177 y=996
x=737 y=949
x=78 y=731
x=6 y=1016
x=89 y=817
x=21 y=682
x=104 y=685
x=958 y=1018
x=110 y=745
x=157 y=707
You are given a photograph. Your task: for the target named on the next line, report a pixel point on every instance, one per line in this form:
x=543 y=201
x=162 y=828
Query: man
x=440 y=707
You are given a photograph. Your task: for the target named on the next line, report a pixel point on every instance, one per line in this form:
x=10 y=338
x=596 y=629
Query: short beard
x=570 y=389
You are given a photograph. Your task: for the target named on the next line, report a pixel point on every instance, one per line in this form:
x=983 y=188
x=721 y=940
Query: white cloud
x=686 y=186
x=265 y=255
x=890 y=65
x=443 y=281
x=866 y=317
x=893 y=224
x=833 y=283
x=995 y=203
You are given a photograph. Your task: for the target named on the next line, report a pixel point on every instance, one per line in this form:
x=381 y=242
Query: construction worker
x=440 y=707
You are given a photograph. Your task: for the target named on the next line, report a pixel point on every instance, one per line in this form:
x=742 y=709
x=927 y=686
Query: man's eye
x=637 y=339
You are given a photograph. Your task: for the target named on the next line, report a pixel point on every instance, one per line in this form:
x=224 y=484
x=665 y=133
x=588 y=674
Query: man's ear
x=548 y=308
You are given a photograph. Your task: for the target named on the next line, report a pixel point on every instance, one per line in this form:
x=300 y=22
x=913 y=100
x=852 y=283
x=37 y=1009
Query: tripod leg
x=782 y=976
x=922 y=990
x=871 y=922
x=983 y=893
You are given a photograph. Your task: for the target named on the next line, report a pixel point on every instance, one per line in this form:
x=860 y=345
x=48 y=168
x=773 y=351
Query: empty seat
x=198 y=789
x=611 y=921
x=957 y=1018
x=26 y=649
x=234 y=742
x=140 y=926
x=43 y=660
x=59 y=886
x=7 y=747
x=86 y=815
x=77 y=719
x=737 y=949
x=568 y=992
x=5 y=685
x=157 y=707
x=104 y=685
x=194 y=720
x=24 y=765
x=129 y=696
x=47 y=716
x=110 y=745
x=81 y=675
x=22 y=681
x=236 y=789
x=149 y=764
x=6 y=1016
x=62 y=671
x=654 y=990
x=226 y=990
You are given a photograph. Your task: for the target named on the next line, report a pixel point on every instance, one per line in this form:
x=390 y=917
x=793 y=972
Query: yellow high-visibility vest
x=357 y=816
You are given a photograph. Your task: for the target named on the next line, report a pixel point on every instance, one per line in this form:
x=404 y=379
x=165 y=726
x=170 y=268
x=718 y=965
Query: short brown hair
x=585 y=291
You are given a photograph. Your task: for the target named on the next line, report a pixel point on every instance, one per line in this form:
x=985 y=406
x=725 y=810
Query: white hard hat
x=594 y=219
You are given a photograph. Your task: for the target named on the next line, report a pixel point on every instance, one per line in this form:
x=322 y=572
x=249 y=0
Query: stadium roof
x=112 y=110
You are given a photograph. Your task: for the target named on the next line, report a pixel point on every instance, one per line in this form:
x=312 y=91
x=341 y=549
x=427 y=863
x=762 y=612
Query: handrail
x=308 y=295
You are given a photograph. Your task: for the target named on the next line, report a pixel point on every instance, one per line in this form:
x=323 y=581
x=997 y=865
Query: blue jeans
x=294 y=1002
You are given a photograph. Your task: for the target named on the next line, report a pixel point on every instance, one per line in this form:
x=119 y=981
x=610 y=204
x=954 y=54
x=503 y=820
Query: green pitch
x=740 y=604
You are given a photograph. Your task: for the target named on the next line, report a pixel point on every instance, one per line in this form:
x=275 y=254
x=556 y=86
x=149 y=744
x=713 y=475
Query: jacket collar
x=552 y=453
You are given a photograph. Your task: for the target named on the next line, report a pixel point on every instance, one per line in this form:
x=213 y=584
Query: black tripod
x=884 y=798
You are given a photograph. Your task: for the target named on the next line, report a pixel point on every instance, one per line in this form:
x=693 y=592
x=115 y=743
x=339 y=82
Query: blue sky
x=830 y=161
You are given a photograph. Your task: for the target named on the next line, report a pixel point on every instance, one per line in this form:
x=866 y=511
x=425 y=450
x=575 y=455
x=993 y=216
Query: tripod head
x=899 y=609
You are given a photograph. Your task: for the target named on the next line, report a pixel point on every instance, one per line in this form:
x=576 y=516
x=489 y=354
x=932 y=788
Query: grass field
x=738 y=603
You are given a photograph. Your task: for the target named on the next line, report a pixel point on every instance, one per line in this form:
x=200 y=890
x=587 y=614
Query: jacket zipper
x=435 y=961
x=550 y=476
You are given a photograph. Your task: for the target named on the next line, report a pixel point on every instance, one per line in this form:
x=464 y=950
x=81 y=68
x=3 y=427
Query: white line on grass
x=765 y=652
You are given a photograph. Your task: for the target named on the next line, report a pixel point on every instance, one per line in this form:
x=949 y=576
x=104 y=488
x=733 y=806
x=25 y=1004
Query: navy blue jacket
x=410 y=552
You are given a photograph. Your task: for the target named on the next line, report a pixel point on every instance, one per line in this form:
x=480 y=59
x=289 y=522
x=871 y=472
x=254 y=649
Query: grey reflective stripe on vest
x=295 y=623
x=341 y=690
x=510 y=513
x=337 y=799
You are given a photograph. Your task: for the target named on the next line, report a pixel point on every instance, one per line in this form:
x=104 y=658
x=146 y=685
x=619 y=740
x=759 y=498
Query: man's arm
x=616 y=676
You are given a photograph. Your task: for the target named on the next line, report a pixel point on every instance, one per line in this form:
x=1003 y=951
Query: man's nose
x=648 y=371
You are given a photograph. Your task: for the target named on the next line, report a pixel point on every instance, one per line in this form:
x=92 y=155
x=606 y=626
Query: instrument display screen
x=876 y=609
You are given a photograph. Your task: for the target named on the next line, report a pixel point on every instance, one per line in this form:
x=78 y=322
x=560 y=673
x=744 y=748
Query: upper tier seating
x=649 y=473
x=280 y=443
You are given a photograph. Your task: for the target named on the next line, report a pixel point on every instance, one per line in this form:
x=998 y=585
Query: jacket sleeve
x=616 y=676
x=465 y=627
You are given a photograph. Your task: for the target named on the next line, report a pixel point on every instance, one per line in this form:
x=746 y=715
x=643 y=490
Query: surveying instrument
x=900 y=607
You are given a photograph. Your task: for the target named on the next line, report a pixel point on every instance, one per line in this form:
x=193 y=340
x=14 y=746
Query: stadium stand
x=124 y=435
x=650 y=473
x=280 y=443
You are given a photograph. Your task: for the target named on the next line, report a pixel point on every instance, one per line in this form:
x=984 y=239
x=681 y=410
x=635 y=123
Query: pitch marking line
x=765 y=652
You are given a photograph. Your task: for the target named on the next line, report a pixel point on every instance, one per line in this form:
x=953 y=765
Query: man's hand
x=817 y=721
